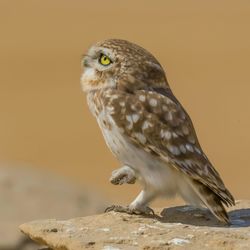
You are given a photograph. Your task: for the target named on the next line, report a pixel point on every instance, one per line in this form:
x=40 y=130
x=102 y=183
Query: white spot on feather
x=173 y=149
x=135 y=118
x=189 y=163
x=153 y=102
x=185 y=130
x=165 y=108
x=206 y=169
x=175 y=135
x=189 y=148
x=133 y=107
x=165 y=134
x=130 y=120
x=122 y=104
x=110 y=109
x=191 y=139
x=142 y=139
x=169 y=101
x=197 y=150
x=113 y=97
x=183 y=149
x=169 y=116
x=142 y=98
x=146 y=124
x=130 y=126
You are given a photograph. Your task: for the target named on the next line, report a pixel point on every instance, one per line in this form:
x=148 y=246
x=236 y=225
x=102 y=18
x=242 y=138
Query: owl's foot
x=126 y=209
x=123 y=175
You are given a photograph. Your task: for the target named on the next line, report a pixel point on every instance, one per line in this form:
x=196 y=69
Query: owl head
x=122 y=65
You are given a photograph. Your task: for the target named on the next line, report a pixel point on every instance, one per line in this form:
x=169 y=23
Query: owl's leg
x=138 y=206
x=123 y=175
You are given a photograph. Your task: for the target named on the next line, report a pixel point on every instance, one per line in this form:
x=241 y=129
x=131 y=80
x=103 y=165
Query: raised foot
x=126 y=209
x=123 y=175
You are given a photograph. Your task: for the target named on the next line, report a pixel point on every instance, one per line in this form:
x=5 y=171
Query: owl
x=148 y=130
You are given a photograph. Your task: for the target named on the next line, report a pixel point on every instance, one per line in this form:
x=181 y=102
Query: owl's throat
x=91 y=80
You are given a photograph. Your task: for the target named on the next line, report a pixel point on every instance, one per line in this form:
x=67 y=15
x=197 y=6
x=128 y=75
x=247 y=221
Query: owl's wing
x=155 y=121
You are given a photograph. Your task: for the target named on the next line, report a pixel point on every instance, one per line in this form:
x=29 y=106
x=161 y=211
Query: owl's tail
x=212 y=201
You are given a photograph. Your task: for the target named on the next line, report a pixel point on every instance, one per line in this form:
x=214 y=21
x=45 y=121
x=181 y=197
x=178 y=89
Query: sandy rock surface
x=28 y=194
x=174 y=228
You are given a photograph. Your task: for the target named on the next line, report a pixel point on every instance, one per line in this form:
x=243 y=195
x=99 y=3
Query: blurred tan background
x=44 y=121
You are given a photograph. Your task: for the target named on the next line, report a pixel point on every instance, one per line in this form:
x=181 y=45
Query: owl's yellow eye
x=104 y=60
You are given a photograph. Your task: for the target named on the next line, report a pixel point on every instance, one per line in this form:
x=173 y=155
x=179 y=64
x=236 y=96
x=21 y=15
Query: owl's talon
x=123 y=175
x=118 y=208
x=122 y=180
x=128 y=210
x=149 y=211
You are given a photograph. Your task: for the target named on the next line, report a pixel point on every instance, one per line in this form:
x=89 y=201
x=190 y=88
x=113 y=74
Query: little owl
x=148 y=130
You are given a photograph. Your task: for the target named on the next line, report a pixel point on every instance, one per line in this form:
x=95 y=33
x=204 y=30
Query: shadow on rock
x=203 y=217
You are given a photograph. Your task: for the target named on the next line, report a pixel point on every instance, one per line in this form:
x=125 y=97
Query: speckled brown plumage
x=147 y=129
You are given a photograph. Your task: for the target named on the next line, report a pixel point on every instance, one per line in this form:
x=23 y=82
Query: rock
x=179 y=227
x=27 y=194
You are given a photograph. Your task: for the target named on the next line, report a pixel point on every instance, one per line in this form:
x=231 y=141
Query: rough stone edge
x=24 y=228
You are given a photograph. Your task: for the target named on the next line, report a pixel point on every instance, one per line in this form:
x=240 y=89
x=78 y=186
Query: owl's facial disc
x=98 y=66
